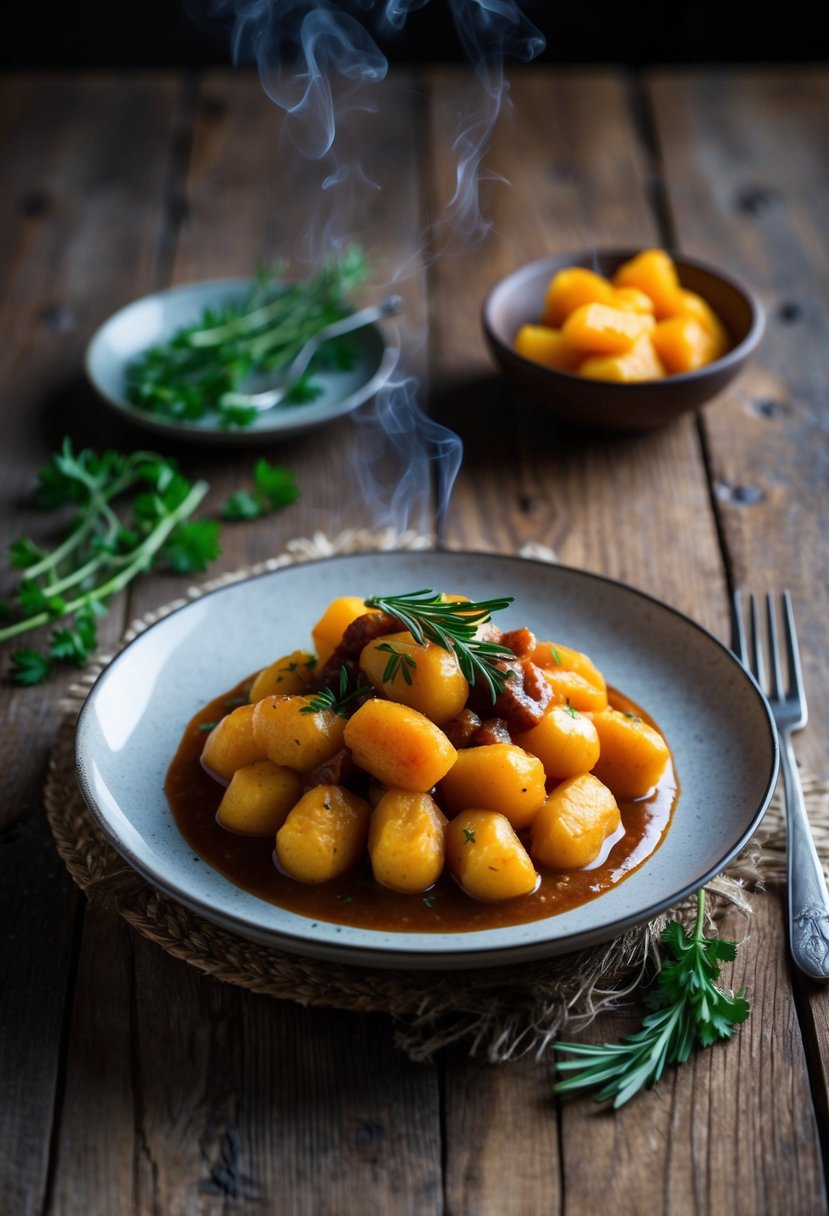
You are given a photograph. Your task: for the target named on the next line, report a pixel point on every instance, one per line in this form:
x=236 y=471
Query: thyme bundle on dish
x=189 y=377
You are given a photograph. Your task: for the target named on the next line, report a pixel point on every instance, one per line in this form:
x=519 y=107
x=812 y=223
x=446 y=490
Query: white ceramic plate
x=714 y=717
x=155 y=318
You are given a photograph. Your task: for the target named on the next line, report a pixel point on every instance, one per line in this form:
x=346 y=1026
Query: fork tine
x=738 y=633
x=793 y=653
x=777 y=690
x=758 y=665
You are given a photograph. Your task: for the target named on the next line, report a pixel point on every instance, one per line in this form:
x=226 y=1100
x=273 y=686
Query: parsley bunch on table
x=688 y=1010
x=103 y=546
x=194 y=374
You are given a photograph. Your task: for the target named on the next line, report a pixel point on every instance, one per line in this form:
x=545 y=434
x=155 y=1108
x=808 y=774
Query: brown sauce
x=356 y=899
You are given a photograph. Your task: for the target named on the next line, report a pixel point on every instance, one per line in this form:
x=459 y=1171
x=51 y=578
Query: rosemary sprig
x=398 y=662
x=688 y=1010
x=452 y=624
x=335 y=702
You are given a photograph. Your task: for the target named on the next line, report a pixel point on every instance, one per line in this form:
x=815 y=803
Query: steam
x=320 y=61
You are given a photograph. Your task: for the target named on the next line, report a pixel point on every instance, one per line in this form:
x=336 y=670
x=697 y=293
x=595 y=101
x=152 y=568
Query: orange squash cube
x=631 y=299
x=499 y=777
x=284 y=676
x=324 y=834
x=564 y=658
x=402 y=748
x=599 y=329
x=258 y=799
x=570 y=829
x=407 y=841
x=565 y=741
x=546 y=346
x=633 y=755
x=425 y=677
x=486 y=857
x=231 y=744
x=640 y=363
x=682 y=345
x=329 y=629
x=570 y=289
x=291 y=733
x=652 y=271
x=690 y=304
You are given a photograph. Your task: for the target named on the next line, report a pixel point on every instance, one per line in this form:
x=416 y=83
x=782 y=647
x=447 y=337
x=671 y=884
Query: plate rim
x=386 y=328
x=382 y=954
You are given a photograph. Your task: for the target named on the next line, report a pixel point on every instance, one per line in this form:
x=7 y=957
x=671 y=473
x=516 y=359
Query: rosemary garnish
x=688 y=1010
x=335 y=702
x=452 y=624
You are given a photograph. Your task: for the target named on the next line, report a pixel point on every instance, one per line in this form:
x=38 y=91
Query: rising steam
x=320 y=61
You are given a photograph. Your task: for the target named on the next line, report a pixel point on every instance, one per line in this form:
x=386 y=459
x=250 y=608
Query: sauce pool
x=356 y=899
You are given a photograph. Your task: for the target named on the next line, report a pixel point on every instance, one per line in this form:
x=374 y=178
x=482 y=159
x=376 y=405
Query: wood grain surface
x=130 y=1082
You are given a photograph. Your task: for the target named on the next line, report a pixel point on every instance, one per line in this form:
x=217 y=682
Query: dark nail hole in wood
x=56 y=320
x=739 y=495
x=754 y=200
x=35 y=203
x=790 y=312
x=768 y=408
x=526 y=503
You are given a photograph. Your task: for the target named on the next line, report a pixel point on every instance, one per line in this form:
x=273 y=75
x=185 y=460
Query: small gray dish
x=600 y=405
x=155 y=318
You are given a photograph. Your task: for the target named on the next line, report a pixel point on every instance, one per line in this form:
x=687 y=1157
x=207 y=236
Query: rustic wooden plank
x=501 y=1133
x=621 y=508
x=73 y=244
x=578 y=178
x=237 y=1099
x=762 y=151
x=252 y=198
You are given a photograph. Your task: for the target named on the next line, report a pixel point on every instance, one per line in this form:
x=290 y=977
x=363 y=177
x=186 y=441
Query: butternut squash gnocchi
x=419 y=743
x=639 y=324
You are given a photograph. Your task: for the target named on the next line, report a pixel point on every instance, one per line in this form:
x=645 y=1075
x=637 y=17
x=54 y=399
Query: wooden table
x=132 y=1083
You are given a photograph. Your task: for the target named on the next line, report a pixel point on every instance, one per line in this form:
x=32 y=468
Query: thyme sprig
x=398 y=662
x=198 y=371
x=688 y=1010
x=104 y=546
x=336 y=702
x=453 y=625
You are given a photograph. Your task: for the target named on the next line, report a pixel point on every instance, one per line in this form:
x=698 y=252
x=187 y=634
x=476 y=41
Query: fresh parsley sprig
x=688 y=1010
x=274 y=487
x=198 y=372
x=453 y=625
x=103 y=547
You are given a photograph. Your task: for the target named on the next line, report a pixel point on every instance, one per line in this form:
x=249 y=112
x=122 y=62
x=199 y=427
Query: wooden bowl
x=585 y=403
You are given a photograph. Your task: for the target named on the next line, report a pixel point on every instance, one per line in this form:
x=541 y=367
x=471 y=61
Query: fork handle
x=808 y=896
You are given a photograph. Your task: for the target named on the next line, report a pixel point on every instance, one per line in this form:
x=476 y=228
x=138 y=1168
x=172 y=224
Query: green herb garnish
x=469 y=833
x=274 y=488
x=102 y=549
x=197 y=373
x=335 y=702
x=397 y=662
x=688 y=1010
x=452 y=624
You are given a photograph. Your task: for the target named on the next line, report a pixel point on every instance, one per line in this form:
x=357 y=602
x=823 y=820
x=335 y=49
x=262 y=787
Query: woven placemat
x=498 y=1012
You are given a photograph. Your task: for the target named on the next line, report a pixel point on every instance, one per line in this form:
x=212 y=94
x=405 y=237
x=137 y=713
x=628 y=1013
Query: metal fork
x=808 y=896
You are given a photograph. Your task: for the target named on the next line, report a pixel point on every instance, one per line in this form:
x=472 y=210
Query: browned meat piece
x=358 y=634
x=523 y=701
x=460 y=730
x=520 y=641
x=493 y=730
x=335 y=771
